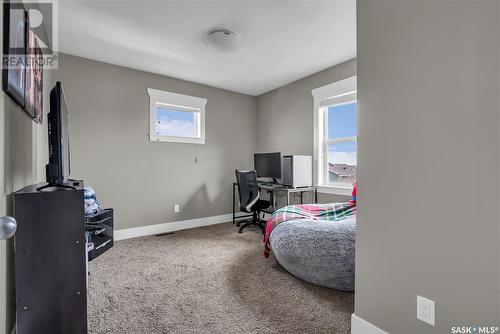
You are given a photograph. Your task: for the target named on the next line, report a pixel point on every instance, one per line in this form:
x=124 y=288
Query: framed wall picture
x=34 y=79
x=15 y=33
x=39 y=86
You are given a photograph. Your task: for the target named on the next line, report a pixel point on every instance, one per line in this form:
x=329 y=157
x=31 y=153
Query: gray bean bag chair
x=319 y=252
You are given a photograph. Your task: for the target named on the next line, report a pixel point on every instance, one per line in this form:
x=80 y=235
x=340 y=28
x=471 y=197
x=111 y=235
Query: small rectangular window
x=176 y=118
x=176 y=123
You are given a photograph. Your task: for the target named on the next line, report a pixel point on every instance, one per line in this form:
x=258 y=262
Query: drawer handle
x=103 y=244
x=100 y=221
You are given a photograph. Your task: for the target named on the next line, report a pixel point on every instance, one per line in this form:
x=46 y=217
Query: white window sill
x=335 y=190
x=177 y=139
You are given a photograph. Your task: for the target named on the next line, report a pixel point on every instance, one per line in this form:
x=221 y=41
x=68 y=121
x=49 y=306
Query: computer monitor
x=268 y=165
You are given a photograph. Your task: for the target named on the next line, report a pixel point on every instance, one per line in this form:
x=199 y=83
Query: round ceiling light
x=224 y=40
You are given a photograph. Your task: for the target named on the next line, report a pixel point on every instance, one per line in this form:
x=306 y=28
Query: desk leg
x=287 y=198
x=234 y=215
x=301 y=197
x=316 y=196
x=273 y=200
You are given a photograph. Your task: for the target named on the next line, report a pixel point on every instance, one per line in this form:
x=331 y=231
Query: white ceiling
x=282 y=40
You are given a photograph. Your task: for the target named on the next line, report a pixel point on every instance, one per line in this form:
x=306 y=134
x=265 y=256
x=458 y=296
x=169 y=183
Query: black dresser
x=50 y=268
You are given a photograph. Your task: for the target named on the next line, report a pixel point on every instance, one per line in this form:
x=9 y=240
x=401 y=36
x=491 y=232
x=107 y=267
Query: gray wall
x=428 y=87
x=285 y=116
x=18 y=162
x=142 y=180
x=21 y=164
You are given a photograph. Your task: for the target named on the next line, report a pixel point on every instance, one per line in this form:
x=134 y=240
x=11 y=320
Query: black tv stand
x=49 y=258
x=70 y=185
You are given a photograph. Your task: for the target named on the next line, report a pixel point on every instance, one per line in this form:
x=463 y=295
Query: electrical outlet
x=177 y=208
x=425 y=310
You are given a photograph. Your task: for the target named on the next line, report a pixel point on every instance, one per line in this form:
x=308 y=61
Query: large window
x=335 y=142
x=176 y=118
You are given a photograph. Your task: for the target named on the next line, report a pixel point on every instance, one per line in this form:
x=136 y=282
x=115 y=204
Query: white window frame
x=320 y=154
x=178 y=102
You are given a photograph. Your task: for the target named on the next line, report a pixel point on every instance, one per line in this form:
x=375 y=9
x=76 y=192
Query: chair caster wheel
x=240 y=231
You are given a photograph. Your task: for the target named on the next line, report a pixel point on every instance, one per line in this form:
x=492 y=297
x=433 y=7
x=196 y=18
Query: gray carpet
x=207 y=280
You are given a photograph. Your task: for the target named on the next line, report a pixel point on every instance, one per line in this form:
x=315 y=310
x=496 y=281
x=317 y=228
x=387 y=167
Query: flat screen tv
x=58 y=168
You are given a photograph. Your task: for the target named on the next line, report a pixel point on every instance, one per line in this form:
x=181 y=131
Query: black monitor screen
x=268 y=164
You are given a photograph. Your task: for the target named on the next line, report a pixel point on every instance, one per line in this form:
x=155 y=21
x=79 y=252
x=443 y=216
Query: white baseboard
x=361 y=326
x=170 y=227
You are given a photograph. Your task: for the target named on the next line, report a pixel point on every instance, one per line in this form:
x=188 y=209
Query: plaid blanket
x=312 y=212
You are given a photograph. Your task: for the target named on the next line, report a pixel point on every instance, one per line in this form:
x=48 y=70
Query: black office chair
x=250 y=201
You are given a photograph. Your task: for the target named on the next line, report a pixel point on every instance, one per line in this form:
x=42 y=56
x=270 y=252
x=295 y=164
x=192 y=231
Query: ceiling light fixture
x=224 y=40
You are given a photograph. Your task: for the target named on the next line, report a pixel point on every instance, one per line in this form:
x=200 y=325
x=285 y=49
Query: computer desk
x=273 y=188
